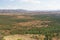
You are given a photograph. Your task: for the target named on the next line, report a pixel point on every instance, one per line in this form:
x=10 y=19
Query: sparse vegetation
x=19 y=39
x=48 y=25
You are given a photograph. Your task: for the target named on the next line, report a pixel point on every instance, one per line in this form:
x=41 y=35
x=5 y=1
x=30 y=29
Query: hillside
x=46 y=24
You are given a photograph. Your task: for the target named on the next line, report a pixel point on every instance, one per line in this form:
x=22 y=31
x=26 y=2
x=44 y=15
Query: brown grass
x=35 y=23
x=24 y=17
x=15 y=37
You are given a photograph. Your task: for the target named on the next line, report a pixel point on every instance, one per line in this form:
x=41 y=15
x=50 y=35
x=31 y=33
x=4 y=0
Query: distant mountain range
x=27 y=11
x=22 y=10
x=12 y=10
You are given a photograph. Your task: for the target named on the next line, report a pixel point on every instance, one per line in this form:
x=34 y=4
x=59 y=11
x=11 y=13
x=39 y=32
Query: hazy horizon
x=30 y=4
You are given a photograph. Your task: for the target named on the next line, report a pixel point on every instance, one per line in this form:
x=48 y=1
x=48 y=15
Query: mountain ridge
x=29 y=11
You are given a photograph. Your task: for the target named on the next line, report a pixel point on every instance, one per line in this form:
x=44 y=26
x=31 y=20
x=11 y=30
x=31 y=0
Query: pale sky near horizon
x=30 y=4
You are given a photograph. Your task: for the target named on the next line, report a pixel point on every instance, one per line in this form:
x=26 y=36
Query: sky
x=30 y=4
